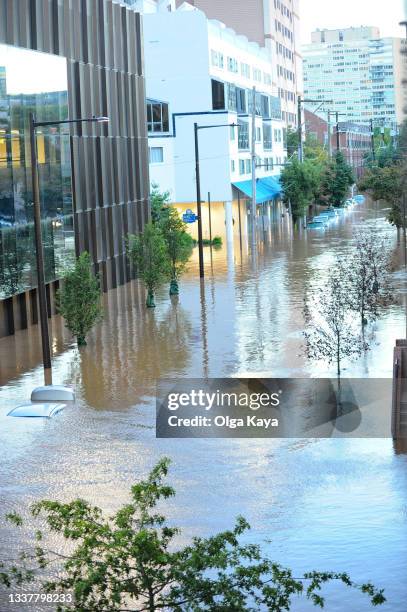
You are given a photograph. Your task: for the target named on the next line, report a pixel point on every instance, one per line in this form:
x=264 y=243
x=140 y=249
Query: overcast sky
x=333 y=14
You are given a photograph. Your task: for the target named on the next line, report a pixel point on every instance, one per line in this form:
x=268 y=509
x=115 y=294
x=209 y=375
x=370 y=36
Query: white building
x=361 y=72
x=200 y=71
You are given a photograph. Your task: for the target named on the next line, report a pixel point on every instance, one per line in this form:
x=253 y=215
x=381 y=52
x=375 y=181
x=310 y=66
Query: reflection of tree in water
x=15 y=253
x=17 y=257
x=133 y=347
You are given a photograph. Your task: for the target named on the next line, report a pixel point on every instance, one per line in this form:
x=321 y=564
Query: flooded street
x=315 y=504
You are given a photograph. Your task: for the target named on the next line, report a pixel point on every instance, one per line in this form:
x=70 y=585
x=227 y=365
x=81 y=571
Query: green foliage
x=292 y=141
x=160 y=202
x=386 y=184
x=368 y=272
x=148 y=252
x=338 y=177
x=130 y=561
x=79 y=300
x=301 y=183
x=179 y=245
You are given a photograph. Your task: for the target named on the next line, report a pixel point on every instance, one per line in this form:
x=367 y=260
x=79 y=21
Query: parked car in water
x=317 y=223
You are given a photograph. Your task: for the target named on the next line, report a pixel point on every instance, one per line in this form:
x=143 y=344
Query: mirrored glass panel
x=33 y=82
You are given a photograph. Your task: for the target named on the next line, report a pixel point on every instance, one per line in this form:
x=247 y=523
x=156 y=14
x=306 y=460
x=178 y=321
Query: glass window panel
x=33 y=82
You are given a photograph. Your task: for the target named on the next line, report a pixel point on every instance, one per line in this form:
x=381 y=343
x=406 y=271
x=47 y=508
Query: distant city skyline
x=332 y=15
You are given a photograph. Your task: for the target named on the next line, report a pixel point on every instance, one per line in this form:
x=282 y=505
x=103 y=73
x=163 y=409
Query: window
x=157 y=116
x=231 y=97
x=218 y=95
x=245 y=70
x=241 y=166
x=232 y=133
x=267 y=137
x=265 y=107
x=258 y=134
x=232 y=166
x=248 y=166
x=217 y=59
x=241 y=104
x=243 y=135
x=156 y=155
x=232 y=65
x=257 y=75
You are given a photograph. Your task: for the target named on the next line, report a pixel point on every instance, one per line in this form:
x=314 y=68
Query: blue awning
x=266 y=189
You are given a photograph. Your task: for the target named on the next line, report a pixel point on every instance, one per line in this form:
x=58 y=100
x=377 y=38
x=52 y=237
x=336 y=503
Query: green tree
x=337 y=179
x=300 y=182
x=292 y=141
x=160 y=204
x=368 y=271
x=330 y=333
x=79 y=300
x=148 y=252
x=386 y=184
x=179 y=246
x=129 y=561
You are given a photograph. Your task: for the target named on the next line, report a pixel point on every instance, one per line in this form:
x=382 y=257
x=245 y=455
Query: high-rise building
x=69 y=60
x=359 y=71
x=274 y=24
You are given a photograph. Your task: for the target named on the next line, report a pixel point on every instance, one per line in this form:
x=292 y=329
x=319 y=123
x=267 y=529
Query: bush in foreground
x=128 y=562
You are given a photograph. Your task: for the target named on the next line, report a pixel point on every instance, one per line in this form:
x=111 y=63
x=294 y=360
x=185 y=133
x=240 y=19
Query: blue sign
x=189 y=216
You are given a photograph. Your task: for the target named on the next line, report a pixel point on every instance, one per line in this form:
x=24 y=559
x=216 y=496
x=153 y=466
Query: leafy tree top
x=129 y=561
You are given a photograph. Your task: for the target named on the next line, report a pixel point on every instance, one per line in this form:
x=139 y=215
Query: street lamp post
x=198 y=189
x=39 y=248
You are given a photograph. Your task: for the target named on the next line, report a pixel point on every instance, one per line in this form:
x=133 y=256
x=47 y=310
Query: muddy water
x=317 y=504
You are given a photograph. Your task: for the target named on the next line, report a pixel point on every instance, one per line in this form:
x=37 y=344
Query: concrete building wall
x=345 y=35
x=244 y=16
x=271 y=23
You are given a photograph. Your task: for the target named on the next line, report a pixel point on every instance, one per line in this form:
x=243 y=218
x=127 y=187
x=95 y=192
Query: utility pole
x=329 y=135
x=338 y=142
x=254 y=190
x=39 y=251
x=299 y=120
x=198 y=204
x=372 y=140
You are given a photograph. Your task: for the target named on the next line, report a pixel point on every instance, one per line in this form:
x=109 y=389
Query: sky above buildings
x=345 y=13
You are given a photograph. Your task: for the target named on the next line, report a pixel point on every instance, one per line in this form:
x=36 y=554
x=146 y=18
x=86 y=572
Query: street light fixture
x=198 y=189
x=42 y=295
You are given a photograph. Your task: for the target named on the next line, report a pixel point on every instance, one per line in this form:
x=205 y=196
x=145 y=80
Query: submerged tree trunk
x=174 y=288
x=150 y=303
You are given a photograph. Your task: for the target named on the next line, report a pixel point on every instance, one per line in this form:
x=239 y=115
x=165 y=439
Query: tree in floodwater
x=330 y=333
x=79 y=299
x=337 y=179
x=148 y=253
x=369 y=268
x=129 y=561
x=179 y=246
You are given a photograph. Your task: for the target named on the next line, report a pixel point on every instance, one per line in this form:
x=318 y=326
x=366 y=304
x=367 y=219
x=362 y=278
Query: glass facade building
x=33 y=82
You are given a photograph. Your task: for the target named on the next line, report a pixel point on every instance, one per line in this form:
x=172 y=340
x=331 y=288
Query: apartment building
x=354 y=140
x=200 y=71
x=274 y=24
x=359 y=71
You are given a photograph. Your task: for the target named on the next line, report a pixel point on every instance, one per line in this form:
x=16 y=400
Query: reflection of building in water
x=93 y=70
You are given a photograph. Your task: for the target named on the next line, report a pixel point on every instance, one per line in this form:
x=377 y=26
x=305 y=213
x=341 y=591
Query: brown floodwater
x=337 y=504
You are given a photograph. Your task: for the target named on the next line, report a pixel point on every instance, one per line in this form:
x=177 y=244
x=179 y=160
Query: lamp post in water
x=39 y=248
